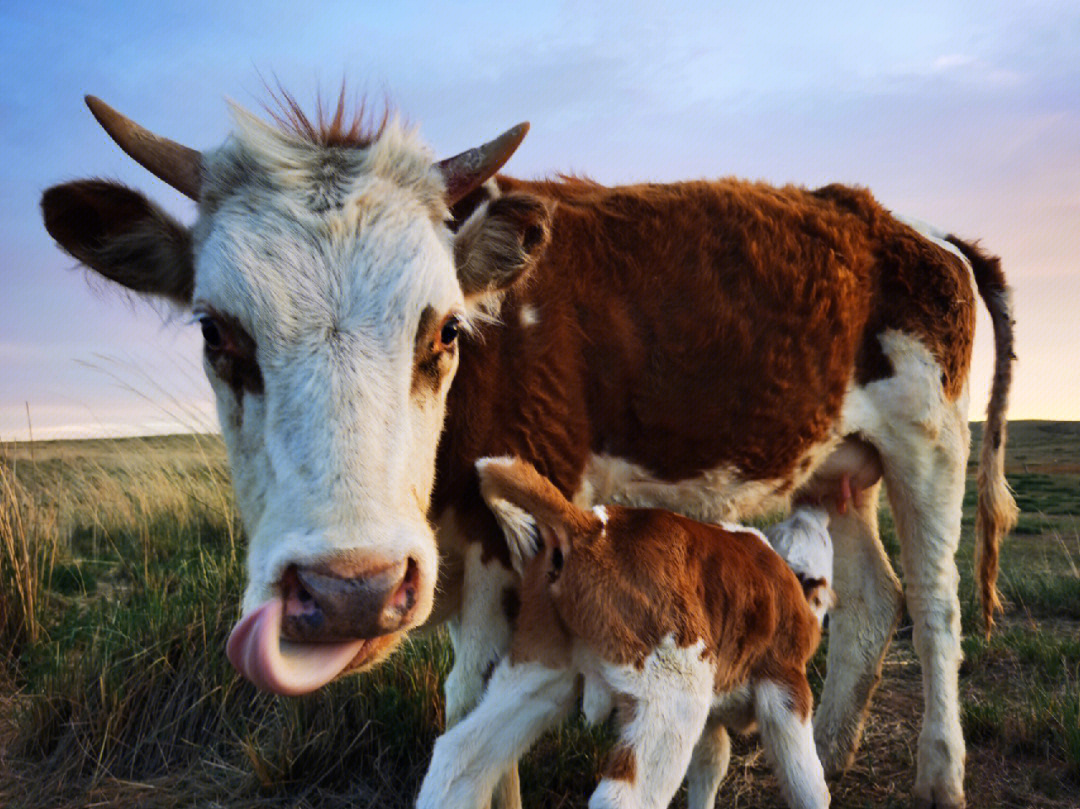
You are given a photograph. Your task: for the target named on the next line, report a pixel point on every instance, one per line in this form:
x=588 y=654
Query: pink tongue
x=258 y=652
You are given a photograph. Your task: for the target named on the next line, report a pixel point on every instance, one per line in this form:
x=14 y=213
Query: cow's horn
x=168 y=160
x=466 y=171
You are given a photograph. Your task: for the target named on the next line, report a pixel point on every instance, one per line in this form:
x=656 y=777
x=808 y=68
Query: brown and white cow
x=700 y=346
x=692 y=628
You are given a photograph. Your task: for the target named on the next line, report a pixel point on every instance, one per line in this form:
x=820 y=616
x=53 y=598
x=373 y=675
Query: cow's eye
x=449 y=331
x=212 y=334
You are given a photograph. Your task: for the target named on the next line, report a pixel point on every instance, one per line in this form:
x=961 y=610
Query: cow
x=375 y=321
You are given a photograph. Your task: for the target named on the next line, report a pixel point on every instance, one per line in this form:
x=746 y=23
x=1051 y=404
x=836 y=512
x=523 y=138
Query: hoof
x=835 y=760
x=929 y=798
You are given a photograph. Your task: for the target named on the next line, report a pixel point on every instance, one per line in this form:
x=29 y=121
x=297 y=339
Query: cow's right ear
x=121 y=235
x=499 y=242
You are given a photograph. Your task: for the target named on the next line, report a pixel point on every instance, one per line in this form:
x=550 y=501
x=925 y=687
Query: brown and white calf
x=690 y=628
x=701 y=346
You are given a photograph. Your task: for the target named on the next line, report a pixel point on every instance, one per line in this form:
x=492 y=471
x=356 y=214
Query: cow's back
x=718 y=322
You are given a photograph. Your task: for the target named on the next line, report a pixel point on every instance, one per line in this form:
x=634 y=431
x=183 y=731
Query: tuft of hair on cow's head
x=513 y=489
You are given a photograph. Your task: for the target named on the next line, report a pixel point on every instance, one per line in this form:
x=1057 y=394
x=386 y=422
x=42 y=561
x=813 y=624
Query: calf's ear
x=500 y=242
x=122 y=236
x=516 y=482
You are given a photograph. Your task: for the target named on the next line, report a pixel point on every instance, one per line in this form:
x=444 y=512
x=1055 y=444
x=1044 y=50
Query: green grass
x=121 y=575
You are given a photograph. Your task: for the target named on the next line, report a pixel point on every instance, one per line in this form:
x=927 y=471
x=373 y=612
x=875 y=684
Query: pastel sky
x=962 y=114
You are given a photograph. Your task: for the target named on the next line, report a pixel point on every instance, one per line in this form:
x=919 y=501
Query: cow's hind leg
x=923 y=440
x=925 y=483
x=861 y=625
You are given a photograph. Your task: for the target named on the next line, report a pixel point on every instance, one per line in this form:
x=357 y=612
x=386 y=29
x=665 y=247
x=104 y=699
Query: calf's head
x=325 y=278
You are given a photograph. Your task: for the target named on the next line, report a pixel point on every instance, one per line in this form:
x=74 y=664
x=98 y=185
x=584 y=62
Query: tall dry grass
x=28 y=544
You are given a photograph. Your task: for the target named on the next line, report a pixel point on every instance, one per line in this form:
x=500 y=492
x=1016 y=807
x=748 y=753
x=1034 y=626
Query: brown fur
x=355 y=130
x=621 y=764
x=786 y=292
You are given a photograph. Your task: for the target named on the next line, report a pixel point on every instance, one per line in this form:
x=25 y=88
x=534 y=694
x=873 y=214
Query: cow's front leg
x=480 y=635
x=861 y=625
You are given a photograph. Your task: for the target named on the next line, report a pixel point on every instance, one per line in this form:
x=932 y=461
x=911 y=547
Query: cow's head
x=322 y=271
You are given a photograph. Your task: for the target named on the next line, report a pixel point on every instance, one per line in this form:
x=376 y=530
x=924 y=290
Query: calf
x=685 y=627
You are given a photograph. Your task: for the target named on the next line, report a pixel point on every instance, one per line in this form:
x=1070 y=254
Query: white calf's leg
x=708 y=765
x=480 y=635
x=788 y=740
x=861 y=626
x=520 y=703
x=665 y=704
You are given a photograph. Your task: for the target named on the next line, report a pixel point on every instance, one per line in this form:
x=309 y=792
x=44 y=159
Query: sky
x=962 y=114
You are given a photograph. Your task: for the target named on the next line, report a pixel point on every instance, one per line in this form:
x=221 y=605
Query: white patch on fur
x=529 y=316
x=933 y=234
x=736 y=528
x=672 y=692
x=714 y=496
x=597 y=701
x=601 y=514
x=804 y=543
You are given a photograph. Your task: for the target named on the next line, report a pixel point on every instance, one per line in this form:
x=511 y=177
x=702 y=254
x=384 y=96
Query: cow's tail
x=997 y=512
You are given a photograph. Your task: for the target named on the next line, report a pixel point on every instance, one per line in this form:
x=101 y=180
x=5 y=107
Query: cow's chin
x=257 y=651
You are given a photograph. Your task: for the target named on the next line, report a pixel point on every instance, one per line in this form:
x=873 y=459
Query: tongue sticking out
x=256 y=650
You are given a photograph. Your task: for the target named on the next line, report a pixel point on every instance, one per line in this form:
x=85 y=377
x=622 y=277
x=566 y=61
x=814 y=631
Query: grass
x=121 y=568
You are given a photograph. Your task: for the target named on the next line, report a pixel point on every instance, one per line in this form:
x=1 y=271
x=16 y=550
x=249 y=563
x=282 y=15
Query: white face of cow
x=339 y=281
x=325 y=283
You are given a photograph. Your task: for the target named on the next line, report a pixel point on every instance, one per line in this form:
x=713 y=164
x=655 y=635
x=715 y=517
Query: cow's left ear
x=500 y=242
x=122 y=236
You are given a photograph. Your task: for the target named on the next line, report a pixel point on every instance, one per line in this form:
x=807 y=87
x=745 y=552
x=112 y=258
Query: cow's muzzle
x=325 y=605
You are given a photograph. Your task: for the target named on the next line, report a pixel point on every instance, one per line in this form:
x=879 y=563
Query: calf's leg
x=663 y=705
x=788 y=739
x=708 y=765
x=480 y=635
x=520 y=703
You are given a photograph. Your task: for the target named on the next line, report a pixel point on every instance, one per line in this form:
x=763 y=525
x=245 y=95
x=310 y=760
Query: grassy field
x=121 y=568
